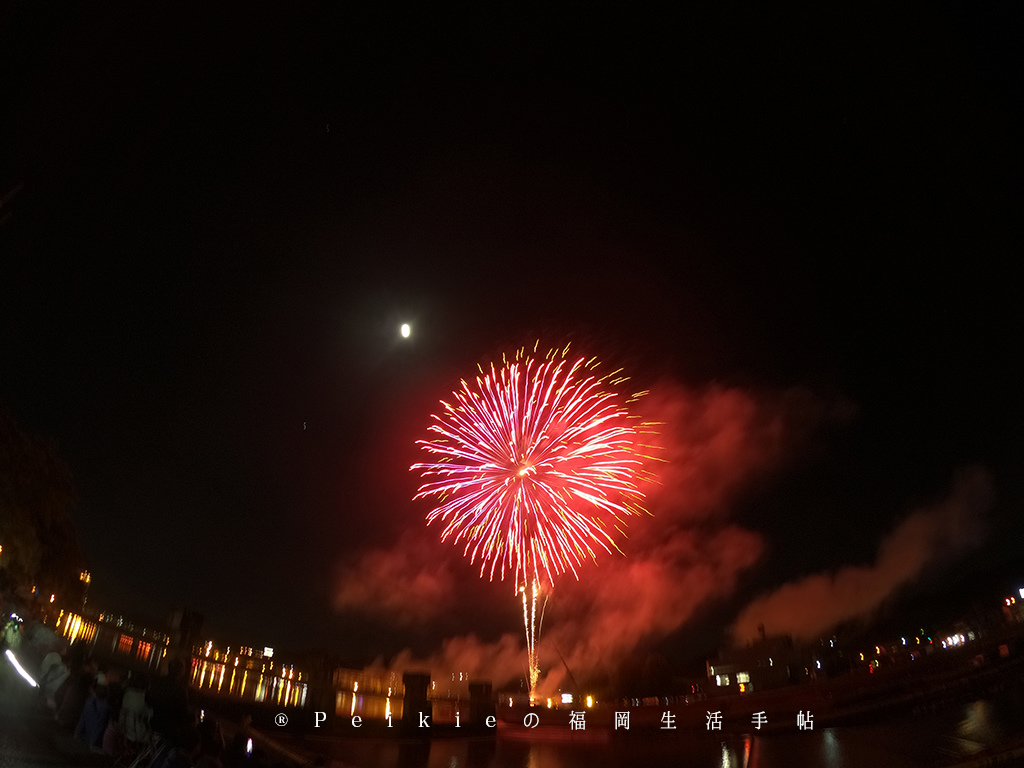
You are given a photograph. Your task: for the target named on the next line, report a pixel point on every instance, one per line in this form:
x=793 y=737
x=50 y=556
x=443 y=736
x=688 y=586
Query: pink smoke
x=714 y=442
x=807 y=608
x=409 y=583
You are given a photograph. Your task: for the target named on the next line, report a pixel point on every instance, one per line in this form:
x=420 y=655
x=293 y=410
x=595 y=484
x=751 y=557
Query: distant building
x=767 y=663
x=186 y=629
x=1013 y=608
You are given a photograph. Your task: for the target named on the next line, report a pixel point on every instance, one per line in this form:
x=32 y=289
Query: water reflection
x=244 y=683
x=897 y=742
x=978 y=725
x=414 y=754
x=831 y=749
x=369 y=706
x=499 y=753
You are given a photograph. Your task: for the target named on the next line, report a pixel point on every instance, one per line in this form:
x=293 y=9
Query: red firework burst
x=533 y=464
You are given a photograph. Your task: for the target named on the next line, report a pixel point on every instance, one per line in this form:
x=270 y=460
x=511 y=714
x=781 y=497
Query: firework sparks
x=534 y=465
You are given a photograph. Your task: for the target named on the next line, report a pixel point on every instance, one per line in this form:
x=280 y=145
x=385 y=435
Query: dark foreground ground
x=28 y=734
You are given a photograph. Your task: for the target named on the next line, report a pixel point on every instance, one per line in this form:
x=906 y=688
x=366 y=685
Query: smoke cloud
x=408 y=583
x=714 y=443
x=809 y=607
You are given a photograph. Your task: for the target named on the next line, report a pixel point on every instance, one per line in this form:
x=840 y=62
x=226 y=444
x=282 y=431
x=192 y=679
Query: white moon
x=406 y=330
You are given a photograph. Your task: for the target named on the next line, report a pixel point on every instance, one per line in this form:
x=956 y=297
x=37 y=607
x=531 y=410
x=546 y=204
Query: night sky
x=219 y=217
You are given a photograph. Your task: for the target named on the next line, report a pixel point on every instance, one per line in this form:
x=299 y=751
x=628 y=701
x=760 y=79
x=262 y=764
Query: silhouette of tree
x=37 y=497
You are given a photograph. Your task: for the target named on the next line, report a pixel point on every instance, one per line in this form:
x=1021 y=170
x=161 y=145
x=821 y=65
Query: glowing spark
x=531 y=466
x=534 y=465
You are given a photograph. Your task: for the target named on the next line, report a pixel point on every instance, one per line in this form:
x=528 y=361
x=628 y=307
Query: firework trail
x=533 y=465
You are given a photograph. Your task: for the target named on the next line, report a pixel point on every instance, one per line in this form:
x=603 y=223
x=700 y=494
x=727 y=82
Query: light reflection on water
x=831 y=749
x=369 y=706
x=500 y=753
x=899 y=742
x=979 y=724
x=243 y=683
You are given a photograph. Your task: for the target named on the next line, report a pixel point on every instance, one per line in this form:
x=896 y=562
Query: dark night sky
x=223 y=215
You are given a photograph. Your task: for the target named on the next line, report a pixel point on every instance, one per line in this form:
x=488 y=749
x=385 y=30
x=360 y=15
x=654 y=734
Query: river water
x=941 y=738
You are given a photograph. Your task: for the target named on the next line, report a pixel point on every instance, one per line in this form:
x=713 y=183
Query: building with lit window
x=766 y=664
